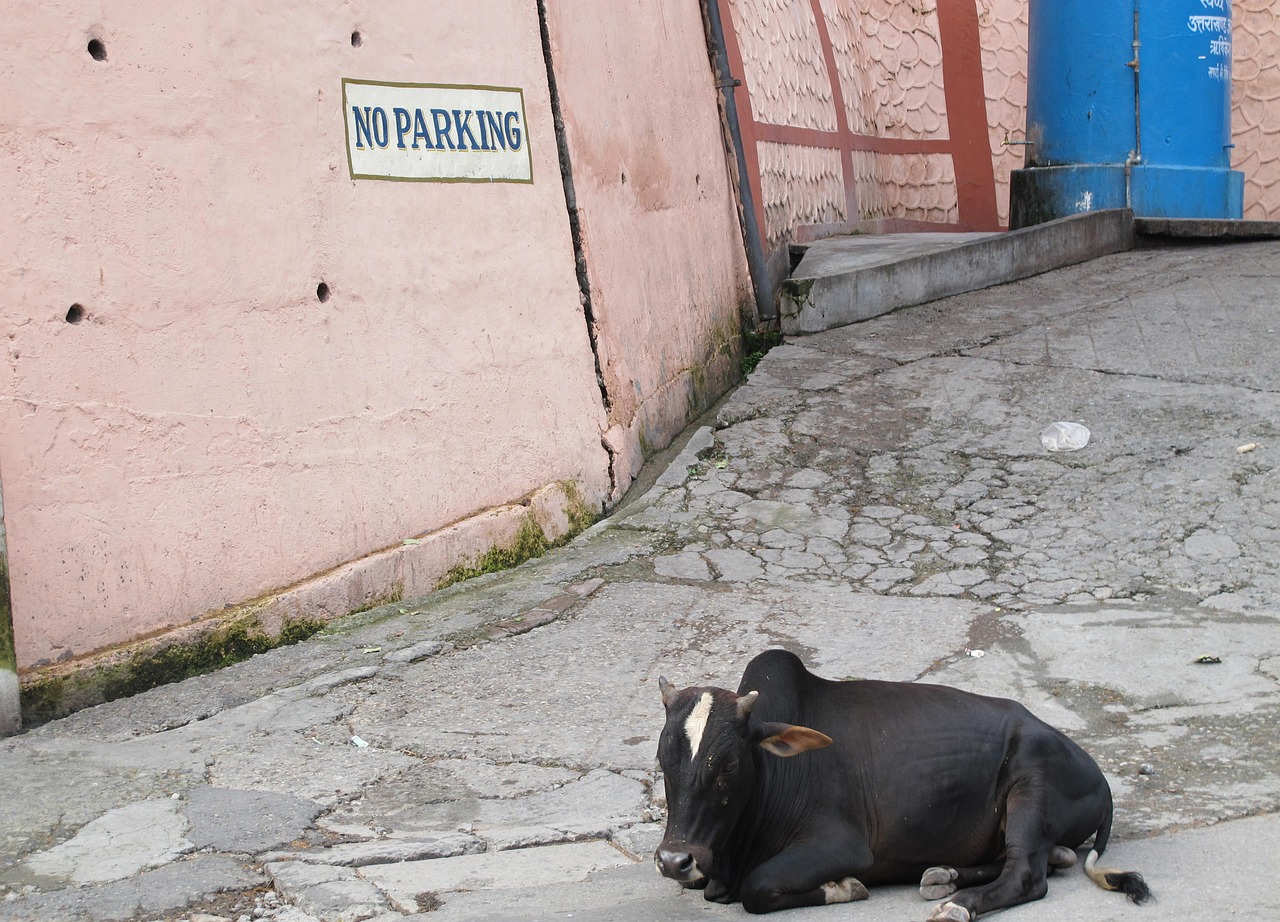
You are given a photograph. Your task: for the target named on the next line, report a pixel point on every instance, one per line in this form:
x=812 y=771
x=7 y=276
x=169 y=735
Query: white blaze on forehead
x=696 y=723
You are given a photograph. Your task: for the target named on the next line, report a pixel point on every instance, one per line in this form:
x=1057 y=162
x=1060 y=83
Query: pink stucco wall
x=204 y=432
x=665 y=261
x=210 y=430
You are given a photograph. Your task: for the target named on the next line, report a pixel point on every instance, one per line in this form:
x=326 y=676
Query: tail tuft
x=1130 y=883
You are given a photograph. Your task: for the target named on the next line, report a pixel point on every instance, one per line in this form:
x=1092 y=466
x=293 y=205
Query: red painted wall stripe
x=967 y=113
x=815 y=137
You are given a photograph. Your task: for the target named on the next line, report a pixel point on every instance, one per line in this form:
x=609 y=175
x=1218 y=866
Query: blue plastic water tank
x=1111 y=124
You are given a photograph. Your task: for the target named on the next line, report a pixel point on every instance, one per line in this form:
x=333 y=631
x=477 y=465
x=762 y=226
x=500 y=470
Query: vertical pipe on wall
x=1135 y=155
x=751 y=235
x=963 y=83
x=1137 y=88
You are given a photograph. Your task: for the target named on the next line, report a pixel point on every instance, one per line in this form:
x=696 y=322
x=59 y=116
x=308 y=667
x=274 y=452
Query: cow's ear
x=786 y=740
x=668 y=691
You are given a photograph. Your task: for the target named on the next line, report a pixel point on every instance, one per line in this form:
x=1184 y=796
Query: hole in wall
x=75 y=313
x=356 y=39
x=97 y=50
x=322 y=292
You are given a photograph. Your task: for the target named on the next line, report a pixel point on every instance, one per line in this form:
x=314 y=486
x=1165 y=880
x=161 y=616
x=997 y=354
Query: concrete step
x=1207 y=228
x=842 y=280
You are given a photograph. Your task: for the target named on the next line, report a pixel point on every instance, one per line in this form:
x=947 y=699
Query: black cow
x=894 y=782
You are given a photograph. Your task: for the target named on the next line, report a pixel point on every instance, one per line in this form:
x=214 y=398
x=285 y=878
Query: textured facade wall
x=1255 y=102
x=799 y=185
x=782 y=59
x=924 y=187
x=847 y=112
x=1003 y=25
x=918 y=187
x=889 y=58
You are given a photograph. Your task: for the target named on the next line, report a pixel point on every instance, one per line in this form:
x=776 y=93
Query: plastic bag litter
x=1065 y=437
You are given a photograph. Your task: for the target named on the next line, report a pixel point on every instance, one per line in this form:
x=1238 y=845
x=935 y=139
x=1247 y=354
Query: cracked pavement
x=875 y=498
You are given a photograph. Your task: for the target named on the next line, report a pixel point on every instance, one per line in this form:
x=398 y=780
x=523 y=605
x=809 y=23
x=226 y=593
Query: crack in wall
x=575 y=232
x=571 y=203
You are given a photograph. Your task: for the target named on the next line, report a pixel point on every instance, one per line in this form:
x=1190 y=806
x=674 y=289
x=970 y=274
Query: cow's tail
x=1130 y=883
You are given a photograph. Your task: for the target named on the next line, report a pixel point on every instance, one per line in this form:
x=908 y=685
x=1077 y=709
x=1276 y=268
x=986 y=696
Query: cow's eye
x=729 y=767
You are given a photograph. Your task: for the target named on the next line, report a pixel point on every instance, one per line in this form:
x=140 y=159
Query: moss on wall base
x=50 y=695
x=755 y=343
x=530 y=541
x=8 y=659
x=548 y=517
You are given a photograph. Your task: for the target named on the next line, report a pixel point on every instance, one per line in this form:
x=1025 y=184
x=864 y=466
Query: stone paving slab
x=405 y=882
x=118 y=844
x=172 y=890
x=248 y=822
x=385 y=851
x=330 y=894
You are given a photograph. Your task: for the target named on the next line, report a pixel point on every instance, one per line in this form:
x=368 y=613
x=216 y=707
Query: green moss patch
x=797 y=290
x=8 y=657
x=56 y=696
x=755 y=343
x=529 y=541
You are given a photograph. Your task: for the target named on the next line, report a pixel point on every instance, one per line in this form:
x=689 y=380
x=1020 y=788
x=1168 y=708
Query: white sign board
x=433 y=132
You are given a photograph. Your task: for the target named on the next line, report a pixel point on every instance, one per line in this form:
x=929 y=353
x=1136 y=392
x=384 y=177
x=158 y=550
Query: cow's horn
x=746 y=703
x=668 y=691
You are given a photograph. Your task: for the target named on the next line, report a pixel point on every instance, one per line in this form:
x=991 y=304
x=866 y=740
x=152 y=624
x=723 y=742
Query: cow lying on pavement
x=798 y=791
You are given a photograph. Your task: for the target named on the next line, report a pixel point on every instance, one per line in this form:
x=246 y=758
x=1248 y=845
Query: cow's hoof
x=845 y=890
x=950 y=912
x=936 y=883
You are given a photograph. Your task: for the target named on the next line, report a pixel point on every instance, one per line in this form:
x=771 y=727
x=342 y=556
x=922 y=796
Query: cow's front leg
x=802 y=877
x=718 y=891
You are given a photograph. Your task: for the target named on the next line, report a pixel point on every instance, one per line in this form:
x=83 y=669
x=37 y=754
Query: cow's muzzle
x=680 y=866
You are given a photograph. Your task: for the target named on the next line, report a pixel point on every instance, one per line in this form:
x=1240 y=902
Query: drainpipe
x=751 y=236
x=1135 y=155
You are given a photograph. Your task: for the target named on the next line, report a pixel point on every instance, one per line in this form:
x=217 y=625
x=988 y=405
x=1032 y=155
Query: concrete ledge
x=842 y=280
x=413 y=568
x=10 y=707
x=1207 y=228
